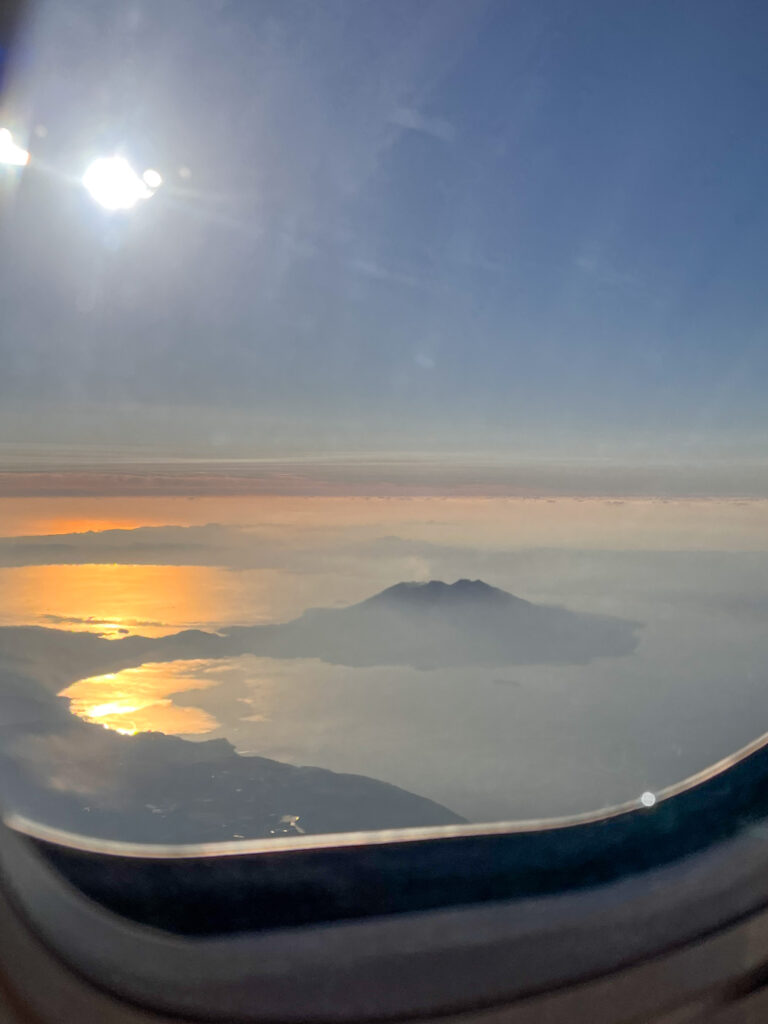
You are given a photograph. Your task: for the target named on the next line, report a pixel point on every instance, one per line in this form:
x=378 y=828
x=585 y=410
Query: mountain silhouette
x=424 y=625
x=440 y=625
x=435 y=593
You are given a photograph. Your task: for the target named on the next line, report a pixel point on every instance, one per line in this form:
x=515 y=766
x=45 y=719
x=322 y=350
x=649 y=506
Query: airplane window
x=382 y=413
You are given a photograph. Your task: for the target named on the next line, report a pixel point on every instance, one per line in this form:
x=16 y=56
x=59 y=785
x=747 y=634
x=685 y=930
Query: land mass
x=152 y=787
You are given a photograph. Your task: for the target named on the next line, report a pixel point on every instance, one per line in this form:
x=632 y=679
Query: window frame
x=707 y=884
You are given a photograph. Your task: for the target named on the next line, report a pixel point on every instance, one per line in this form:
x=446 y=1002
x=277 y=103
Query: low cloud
x=92 y=620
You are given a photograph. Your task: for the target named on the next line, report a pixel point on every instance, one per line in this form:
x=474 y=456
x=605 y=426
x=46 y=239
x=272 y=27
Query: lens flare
x=152 y=178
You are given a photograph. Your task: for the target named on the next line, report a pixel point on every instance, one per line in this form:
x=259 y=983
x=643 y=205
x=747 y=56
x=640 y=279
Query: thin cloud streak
x=437 y=127
x=384 y=477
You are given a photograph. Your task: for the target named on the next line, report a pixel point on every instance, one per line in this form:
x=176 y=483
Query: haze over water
x=494 y=741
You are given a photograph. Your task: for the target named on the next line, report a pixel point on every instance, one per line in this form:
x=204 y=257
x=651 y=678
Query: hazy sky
x=518 y=227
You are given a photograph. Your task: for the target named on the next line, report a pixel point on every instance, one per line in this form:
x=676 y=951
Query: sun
x=113 y=183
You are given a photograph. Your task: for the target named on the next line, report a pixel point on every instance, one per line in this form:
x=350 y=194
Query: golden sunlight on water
x=118 y=600
x=138 y=699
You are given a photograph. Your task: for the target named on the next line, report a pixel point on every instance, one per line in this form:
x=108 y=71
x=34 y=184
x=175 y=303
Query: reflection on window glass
x=382 y=411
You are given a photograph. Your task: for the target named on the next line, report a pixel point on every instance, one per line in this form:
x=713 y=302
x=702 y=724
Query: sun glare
x=10 y=153
x=113 y=183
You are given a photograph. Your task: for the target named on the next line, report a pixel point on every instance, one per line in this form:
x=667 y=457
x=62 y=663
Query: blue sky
x=529 y=228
